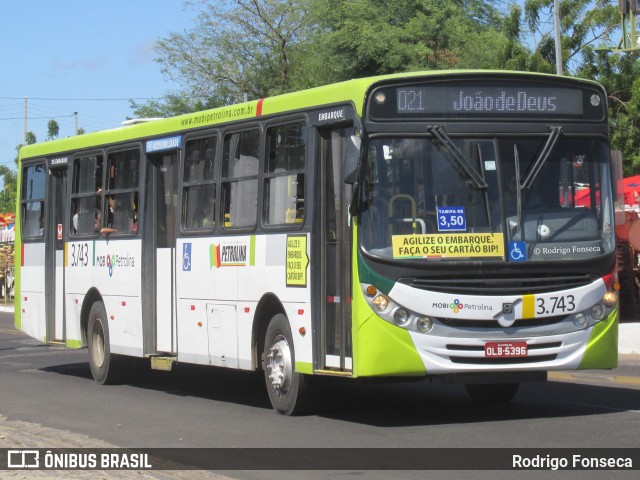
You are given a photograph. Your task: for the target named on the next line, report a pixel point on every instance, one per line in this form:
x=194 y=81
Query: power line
x=38 y=118
x=84 y=99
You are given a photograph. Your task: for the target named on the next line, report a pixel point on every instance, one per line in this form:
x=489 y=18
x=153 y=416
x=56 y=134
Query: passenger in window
x=134 y=217
x=207 y=212
x=110 y=210
x=111 y=207
x=98 y=221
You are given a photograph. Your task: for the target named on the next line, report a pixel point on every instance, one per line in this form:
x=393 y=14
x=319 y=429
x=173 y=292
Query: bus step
x=335 y=373
x=162 y=363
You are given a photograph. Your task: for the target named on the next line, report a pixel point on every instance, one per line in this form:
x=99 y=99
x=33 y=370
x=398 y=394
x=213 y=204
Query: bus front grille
x=474 y=354
x=501 y=361
x=492 y=324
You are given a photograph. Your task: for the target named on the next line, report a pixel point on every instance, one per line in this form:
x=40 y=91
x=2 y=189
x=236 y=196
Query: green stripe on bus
x=73 y=343
x=602 y=347
x=304 y=367
x=252 y=250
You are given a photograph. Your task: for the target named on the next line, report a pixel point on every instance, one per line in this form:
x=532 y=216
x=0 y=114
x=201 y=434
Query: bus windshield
x=513 y=199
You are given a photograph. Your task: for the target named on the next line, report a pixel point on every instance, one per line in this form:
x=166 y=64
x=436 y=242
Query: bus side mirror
x=618 y=185
x=352 y=156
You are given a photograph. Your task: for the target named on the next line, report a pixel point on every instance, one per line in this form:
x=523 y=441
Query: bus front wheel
x=492 y=393
x=106 y=367
x=288 y=390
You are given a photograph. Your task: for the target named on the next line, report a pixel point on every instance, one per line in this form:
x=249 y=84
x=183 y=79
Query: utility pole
x=75 y=117
x=558 y=37
x=630 y=42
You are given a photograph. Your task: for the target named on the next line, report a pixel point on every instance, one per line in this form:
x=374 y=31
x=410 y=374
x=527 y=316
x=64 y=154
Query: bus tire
x=106 y=367
x=492 y=393
x=287 y=389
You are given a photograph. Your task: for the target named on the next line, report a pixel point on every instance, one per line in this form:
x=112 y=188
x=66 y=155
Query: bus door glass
x=335 y=250
x=54 y=246
x=159 y=243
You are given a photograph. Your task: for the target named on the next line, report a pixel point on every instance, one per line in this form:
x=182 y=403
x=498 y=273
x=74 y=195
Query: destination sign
x=487 y=99
x=491 y=100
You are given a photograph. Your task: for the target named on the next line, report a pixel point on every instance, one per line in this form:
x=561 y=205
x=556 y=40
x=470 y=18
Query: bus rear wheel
x=106 y=367
x=492 y=393
x=288 y=390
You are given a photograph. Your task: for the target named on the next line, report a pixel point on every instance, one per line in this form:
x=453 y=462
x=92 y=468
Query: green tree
x=583 y=24
x=261 y=48
x=53 y=129
x=237 y=47
x=619 y=73
x=385 y=36
x=10 y=179
x=8 y=192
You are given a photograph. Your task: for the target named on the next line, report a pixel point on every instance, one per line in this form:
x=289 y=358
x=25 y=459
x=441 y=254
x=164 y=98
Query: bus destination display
x=488 y=100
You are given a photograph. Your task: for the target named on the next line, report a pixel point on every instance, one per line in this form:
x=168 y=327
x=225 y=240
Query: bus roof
x=348 y=91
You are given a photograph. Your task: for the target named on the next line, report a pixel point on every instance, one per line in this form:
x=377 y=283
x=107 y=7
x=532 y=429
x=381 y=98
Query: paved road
x=48 y=399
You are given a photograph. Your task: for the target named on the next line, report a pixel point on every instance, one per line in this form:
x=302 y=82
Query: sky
x=80 y=56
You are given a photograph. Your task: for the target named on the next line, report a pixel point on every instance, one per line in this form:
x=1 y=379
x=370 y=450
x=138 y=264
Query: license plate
x=505 y=349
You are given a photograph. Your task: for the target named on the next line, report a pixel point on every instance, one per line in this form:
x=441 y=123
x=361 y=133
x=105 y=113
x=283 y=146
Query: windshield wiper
x=542 y=158
x=462 y=163
x=486 y=190
x=516 y=159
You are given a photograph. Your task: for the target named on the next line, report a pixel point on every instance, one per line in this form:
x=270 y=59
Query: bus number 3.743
x=565 y=303
x=79 y=254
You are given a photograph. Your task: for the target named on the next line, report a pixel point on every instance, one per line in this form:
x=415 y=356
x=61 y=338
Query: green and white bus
x=451 y=225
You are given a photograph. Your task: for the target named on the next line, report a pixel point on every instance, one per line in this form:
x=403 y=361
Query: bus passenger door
x=335 y=252
x=54 y=257
x=159 y=242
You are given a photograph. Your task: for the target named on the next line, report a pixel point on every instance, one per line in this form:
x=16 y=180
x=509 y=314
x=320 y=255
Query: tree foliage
x=237 y=47
x=385 y=36
x=260 y=48
x=10 y=179
x=583 y=24
x=620 y=75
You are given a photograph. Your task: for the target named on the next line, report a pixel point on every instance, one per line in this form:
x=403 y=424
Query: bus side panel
x=201 y=284
x=117 y=276
x=270 y=274
x=79 y=262
x=219 y=284
x=193 y=339
x=32 y=302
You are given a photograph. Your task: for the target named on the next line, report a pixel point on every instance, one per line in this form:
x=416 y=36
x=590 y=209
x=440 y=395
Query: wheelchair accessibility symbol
x=517 y=251
x=186 y=257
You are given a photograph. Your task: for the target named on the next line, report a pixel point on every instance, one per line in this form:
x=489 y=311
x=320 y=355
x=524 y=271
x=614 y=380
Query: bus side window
x=85 y=195
x=121 y=195
x=199 y=189
x=284 y=174
x=240 y=178
x=33 y=188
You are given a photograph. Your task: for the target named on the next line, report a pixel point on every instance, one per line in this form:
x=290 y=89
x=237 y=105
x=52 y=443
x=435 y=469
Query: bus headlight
x=401 y=316
x=597 y=311
x=380 y=303
x=610 y=299
x=424 y=324
x=580 y=320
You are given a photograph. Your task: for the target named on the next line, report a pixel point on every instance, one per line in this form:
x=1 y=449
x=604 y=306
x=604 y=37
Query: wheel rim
x=97 y=344
x=279 y=365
